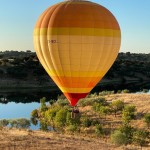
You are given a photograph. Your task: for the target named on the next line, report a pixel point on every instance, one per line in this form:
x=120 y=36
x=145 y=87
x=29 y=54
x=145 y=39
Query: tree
x=128 y=114
x=128 y=132
x=34 y=121
x=147 y=119
x=43 y=107
x=104 y=110
x=34 y=117
x=99 y=130
x=4 y=122
x=20 y=123
x=119 y=138
x=34 y=113
x=117 y=105
x=86 y=122
x=23 y=123
x=140 y=137
x=60 y=118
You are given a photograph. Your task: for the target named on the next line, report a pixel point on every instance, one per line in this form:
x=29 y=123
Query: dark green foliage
x=140 y=137
x=34 y=113
x=60 y=118
x=125 y=91
x=128 y=113
x=13 y=123
x=95 y=122
x=99 y=102
x=127 y=130
x=43 y=125
x=104 y=110
x=43 y=104
x=86 y=121
x=147 y=119
x=20 y=123
x=145 y=90
x=17 y=72
x=99 y=130
x=103 y=93
x=62 y=102
x=23 y=123
x=34 y=121
x=72 y=128
x=72 y=121
x=51 y=113
x=117 y=105
x=51 y=102
x=119 y=138
x=4 y=122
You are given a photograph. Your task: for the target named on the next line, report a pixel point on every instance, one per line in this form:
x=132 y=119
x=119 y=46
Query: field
x=14 y=139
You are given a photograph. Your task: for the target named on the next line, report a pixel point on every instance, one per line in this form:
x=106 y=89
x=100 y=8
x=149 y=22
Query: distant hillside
x=23 y=70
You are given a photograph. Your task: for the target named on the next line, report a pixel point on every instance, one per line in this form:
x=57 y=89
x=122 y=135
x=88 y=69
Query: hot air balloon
x=77 y=42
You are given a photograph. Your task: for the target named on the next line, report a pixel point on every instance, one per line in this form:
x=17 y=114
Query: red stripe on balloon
x=75 y=97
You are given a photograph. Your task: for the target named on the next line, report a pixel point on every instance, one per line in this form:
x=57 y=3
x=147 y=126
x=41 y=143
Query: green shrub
x=4 y=122
x=145 y=90
x=99 y=130
x=147 y=119
x=34 y=121
x=117 y=105
x=119 y=138
x=103 y=93
x=51 y=102
x=62 y=102
x=128 y=113
x=86 y=102
x=125 y=91
x=62 y=96
x=23 y=123
x=13 y=123
x=119 y=91
x=43 y=125
x=128 y=131
x=95 y=122
x=43 y=106
x=86 y=122
x=72 y=121
x=20 y=123
x=72 y=128
x=60 y=118
x=140 y=137
x=34 y=113
x=92 y=95
x=104 y=110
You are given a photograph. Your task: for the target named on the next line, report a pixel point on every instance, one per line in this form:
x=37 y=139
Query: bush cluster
x=21 y=123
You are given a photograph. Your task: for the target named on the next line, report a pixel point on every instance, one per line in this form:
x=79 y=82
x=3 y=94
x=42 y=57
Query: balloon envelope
x=77 y=42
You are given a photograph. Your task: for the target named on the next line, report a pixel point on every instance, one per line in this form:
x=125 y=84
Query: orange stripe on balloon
x=76 y=82
x=93 y=16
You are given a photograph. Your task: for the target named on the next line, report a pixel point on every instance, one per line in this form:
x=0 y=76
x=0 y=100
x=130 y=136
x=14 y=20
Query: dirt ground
x=13 y=139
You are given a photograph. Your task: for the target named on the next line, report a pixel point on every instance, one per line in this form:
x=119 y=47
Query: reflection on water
x=20 y=104
x=17 y=110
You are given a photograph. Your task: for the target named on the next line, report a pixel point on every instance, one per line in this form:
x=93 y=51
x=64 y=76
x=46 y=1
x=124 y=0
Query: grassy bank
x=106 y=121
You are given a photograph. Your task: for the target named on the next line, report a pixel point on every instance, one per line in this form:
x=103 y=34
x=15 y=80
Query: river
x=20 y=105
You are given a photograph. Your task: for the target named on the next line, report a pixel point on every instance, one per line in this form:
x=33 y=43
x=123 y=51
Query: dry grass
x=13 y=139
x=141 y=101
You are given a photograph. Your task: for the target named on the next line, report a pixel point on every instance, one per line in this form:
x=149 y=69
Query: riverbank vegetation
x=113 y=121
x=120 y=121
x=23 y=70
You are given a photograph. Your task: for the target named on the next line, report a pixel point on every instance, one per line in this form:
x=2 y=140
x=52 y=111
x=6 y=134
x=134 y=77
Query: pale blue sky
x=18 y=17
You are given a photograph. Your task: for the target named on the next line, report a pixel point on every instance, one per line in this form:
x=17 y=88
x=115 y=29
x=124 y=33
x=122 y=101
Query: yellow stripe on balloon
x=77 y=31
x=60 y=73
x=75 y=90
